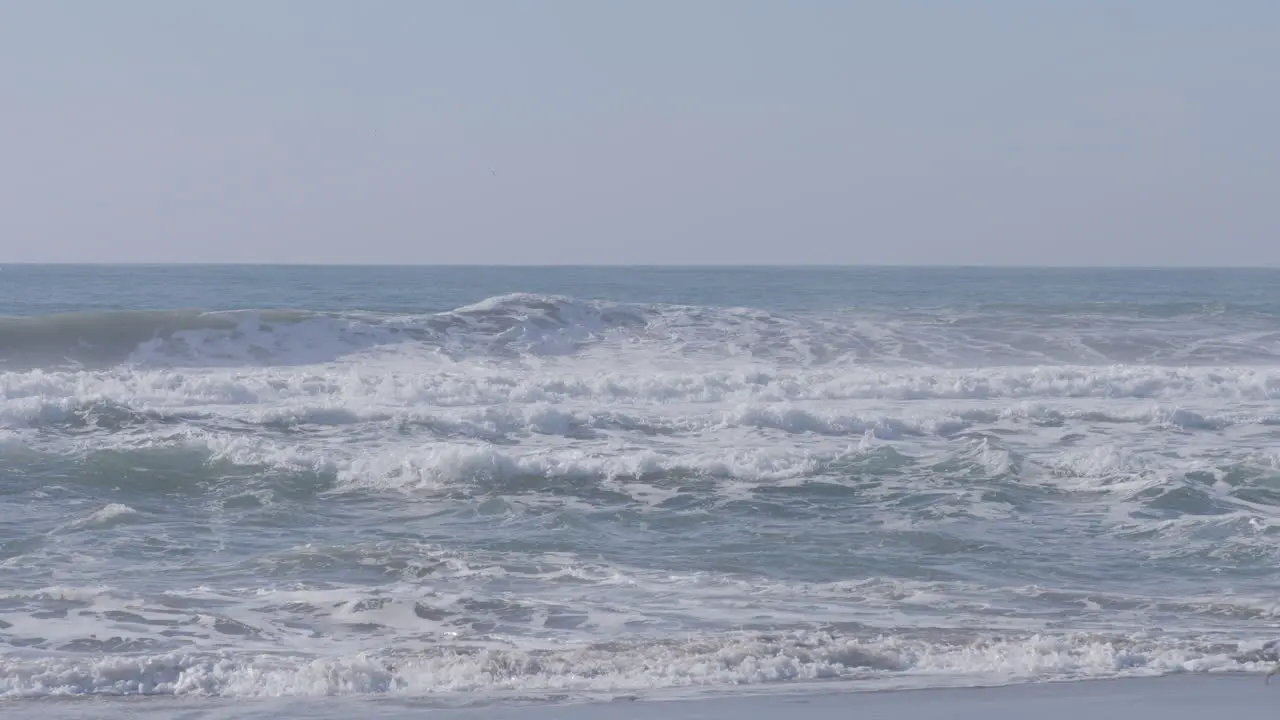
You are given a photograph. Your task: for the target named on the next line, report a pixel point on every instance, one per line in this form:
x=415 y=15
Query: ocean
x=225 y=486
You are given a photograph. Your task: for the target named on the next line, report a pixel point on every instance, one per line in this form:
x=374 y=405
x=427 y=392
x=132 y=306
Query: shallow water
x=464 y=486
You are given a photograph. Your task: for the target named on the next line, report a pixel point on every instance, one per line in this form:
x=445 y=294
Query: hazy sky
x=646 y=131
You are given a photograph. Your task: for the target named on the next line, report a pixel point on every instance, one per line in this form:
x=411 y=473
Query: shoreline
x=1178 y=696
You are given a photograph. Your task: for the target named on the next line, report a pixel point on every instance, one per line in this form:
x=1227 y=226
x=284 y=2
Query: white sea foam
x=381 y=389
x=721 y=661
x=634 y=497
x=109 y=516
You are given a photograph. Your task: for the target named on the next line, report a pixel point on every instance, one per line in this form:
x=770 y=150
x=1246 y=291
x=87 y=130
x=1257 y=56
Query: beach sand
x=1176 y=697
x=1167 y=698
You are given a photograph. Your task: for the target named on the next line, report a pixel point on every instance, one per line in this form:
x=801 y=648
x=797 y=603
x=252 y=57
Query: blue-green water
x=456 y=485
x=45 y=289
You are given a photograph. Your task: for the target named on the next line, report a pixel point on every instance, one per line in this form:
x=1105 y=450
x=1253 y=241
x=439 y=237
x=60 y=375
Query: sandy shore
x=1167 y=698
x=1178 y=697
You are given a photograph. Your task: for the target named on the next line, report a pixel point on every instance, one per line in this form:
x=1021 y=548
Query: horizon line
x=630 y=266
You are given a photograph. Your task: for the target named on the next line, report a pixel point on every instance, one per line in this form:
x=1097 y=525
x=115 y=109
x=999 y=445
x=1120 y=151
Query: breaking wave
x=520 y=325
x=540 y=496
x=709 y=663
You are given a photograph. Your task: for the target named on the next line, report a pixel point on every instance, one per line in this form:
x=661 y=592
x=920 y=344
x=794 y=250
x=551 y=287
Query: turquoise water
x=454 y=486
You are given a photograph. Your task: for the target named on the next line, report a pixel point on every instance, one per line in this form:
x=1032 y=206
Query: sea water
x=460 y=486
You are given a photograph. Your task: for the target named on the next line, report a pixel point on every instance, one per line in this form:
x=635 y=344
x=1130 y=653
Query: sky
x=987 y=132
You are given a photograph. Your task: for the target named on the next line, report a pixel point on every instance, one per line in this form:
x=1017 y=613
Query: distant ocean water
x=458 y=486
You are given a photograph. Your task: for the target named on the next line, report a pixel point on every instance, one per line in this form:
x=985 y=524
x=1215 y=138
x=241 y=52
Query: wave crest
x=528 y=325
